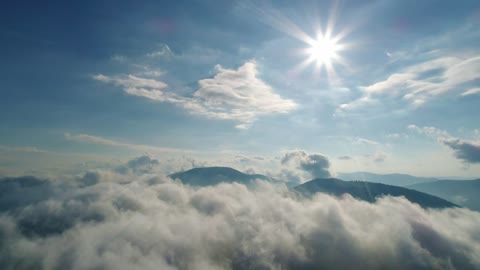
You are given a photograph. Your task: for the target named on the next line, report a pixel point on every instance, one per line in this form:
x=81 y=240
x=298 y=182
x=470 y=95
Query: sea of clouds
x=124 y=219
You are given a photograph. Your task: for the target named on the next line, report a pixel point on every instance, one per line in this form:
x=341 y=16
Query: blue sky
x=95 y=83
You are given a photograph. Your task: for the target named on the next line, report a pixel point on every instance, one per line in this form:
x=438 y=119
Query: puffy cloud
x=239 y=94
x=316 y=164
x=152 y=223
x=139 y=165
x=466 y=150
x=232 y=94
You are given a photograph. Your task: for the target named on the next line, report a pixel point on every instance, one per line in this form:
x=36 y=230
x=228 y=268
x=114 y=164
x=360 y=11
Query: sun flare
x=323 y=50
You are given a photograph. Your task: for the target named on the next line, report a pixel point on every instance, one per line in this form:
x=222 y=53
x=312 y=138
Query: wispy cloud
x=26 y=149
x=163 y=50
x=85 y=138
x=359 y=140
x=397 y=136
x=466 y=150
x=131 y=81
x=377 y=157
x=418 y=83
x=473 y=91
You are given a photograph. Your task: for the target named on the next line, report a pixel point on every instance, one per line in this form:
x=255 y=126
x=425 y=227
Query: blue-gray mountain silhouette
x=369 y=192
x=396 y=179
x=462 y=192
x=215 y=175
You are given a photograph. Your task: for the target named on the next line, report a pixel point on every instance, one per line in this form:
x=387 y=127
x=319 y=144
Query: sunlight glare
x=323 y=50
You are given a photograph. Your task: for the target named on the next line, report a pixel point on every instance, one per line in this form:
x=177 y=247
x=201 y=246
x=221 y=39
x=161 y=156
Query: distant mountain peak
x=206 y=176
x=369 y=191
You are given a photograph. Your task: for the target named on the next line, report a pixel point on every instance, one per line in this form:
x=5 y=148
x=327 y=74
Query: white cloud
x=145 y=222
x=163 y=50
x=418 y=83
x=238 y=94
x=377 y=157
x=397 y=136
x=315 y=165
x=131 y=81
x=109 y=142
x=231 y=94
x=472 y=91
x=365 y=141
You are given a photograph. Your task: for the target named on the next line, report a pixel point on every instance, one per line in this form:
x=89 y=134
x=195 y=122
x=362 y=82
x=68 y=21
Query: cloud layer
x=150 y=222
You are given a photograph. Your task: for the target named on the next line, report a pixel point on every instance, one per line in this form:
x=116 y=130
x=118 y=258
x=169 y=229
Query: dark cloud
x=142 y=222
x=316 y=164
x=22 y=191
x=467 y=151
x=139 y=165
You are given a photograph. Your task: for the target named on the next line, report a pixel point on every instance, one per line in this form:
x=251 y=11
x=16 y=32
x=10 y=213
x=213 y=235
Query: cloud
x=317 y=165
x=473 y=91
x=85 y=138
x=418 y=83
x=365 y=141
x=231 y=94
x=237 y=94
x=137 y=86
x=163 y=50
x=139 y=165
x=193 y=55
x=465 y=150
x=131 y=81
x=345 y=158
x=157 y=223
x=377 y=157
x=397 y=136
x=25 y=149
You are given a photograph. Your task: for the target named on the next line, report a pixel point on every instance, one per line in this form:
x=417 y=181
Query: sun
x=323 y=50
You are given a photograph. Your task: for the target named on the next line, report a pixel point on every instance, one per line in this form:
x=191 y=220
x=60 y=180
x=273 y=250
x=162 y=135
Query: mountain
x=214 y=175
x=395 y=179
x=462 y=192
x=368 y=191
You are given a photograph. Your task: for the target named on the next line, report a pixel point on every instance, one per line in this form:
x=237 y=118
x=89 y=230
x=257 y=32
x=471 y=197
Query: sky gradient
x=194 y=83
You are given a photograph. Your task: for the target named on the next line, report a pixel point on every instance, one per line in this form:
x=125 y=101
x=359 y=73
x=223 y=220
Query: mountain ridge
x=463 y=192
x=369 y=191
